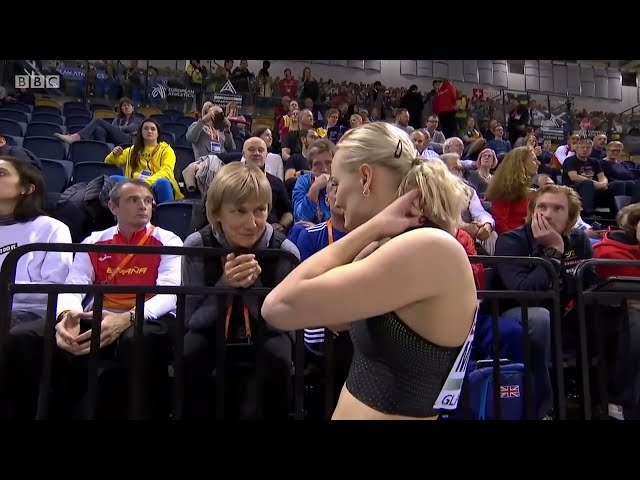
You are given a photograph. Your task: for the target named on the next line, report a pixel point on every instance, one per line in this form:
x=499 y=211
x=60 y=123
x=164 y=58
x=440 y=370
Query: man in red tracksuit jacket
x=444 y=105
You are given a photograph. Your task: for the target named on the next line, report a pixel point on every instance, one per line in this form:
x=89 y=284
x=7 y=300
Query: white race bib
x=450 y=393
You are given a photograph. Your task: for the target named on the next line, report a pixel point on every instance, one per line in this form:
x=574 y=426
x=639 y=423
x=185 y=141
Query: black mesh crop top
x=396 y=371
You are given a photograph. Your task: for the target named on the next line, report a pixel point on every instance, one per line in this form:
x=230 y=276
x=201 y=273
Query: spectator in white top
x=421 y=141
x=565 y=151
x=131 y=203
x=273 y=164
x=23 y=221
x=456 y=145
x=477 y=221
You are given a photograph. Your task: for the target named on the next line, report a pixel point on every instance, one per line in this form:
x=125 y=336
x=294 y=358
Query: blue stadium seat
x=184 y=156
x=23 y=107
x=87 y=171
x=175 y=216
x=622 y=201
x=11 y=127
x=77 y=112
x=15 y=115
x=88 y=151
x=47 y=109
x=51 y=201
x=168 y=137
x=161 y=119
x=13 y=140
x=43 y=129
x=174 y=114
x=57 y=174
x=100 y=106
x=48 y=118
x=45 y=147
x=186 y=121
x=73 y=105
x=74 y=119
x=74 y=128
x=176 y=128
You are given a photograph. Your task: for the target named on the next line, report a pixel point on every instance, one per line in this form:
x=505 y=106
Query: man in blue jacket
x=547 y=233
x=309 y=193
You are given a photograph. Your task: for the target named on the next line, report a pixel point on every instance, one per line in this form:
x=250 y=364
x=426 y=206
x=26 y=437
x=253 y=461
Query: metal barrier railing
x=9 y=287
x=613 y=292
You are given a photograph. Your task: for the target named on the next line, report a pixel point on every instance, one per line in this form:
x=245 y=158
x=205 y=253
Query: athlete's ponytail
x=444 y=195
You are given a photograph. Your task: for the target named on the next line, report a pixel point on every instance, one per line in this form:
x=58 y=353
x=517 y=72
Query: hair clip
x=398 y=150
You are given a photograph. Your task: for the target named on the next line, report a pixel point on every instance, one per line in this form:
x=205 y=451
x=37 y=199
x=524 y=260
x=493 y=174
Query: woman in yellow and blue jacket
x=150 y=161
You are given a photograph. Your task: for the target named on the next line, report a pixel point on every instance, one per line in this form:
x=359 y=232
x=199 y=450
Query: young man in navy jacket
x=547 y=233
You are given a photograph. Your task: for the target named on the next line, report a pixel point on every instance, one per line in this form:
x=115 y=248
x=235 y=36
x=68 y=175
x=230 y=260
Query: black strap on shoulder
x=277 y=239
x=213 y=267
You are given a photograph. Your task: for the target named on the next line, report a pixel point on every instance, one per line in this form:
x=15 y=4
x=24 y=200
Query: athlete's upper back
x=397 y=371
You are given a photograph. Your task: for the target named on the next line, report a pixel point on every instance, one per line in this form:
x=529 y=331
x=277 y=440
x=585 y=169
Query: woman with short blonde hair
x=408 y=323
x=238 y=204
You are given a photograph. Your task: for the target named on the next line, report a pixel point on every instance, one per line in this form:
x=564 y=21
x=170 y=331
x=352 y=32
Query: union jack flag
x=510 y=391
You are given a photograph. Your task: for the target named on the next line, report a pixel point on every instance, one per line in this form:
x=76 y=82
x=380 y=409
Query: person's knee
x=539 y=324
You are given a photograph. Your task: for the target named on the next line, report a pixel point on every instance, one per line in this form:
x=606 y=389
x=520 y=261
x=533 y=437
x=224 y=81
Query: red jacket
x=445 y=99
x=618 y=245
x=470 y=247
x=509 y=215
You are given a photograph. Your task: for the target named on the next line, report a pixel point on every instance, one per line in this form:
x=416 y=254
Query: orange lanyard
x=245 y=313
x=330 y=231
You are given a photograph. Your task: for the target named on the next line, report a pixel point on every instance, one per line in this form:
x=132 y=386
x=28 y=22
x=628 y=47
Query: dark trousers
x=448 y=123
x=200 y=361
x=590 y=196
x=69 y=373
x=102 y=131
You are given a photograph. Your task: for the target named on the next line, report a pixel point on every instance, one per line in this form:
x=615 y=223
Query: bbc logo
x=37 y=81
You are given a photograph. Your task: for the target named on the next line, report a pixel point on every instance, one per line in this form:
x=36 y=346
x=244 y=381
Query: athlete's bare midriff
x=350 y=408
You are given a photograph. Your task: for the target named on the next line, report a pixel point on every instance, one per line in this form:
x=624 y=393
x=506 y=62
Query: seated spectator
x=585 y=175
x=149 y=161
x=437 y=137
x=498 y=144
x=289 y=117
x=239 y=131
x=509 y=189
x=476 y=221
x=624 y=244
x=599 y=142
x=280 y=217
x=23 y=221
x=548 y=233
x=621 y=244
x=298 y=163
x=121 y=131
x=355 y=120
x=479 y=179
x=331 y=115
x=309 y=193
x=470 y=247
x=615 y=168
x=274 y=164
x=595 y=235
x=565 y=151
x=455 y=145
x=470 y=133
x=421 y=142
x=293 y=141
x=211 y=134
x=19 y=153
x=238 y=205
x=402 y=120
x=313 y=239
x=131 y=203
